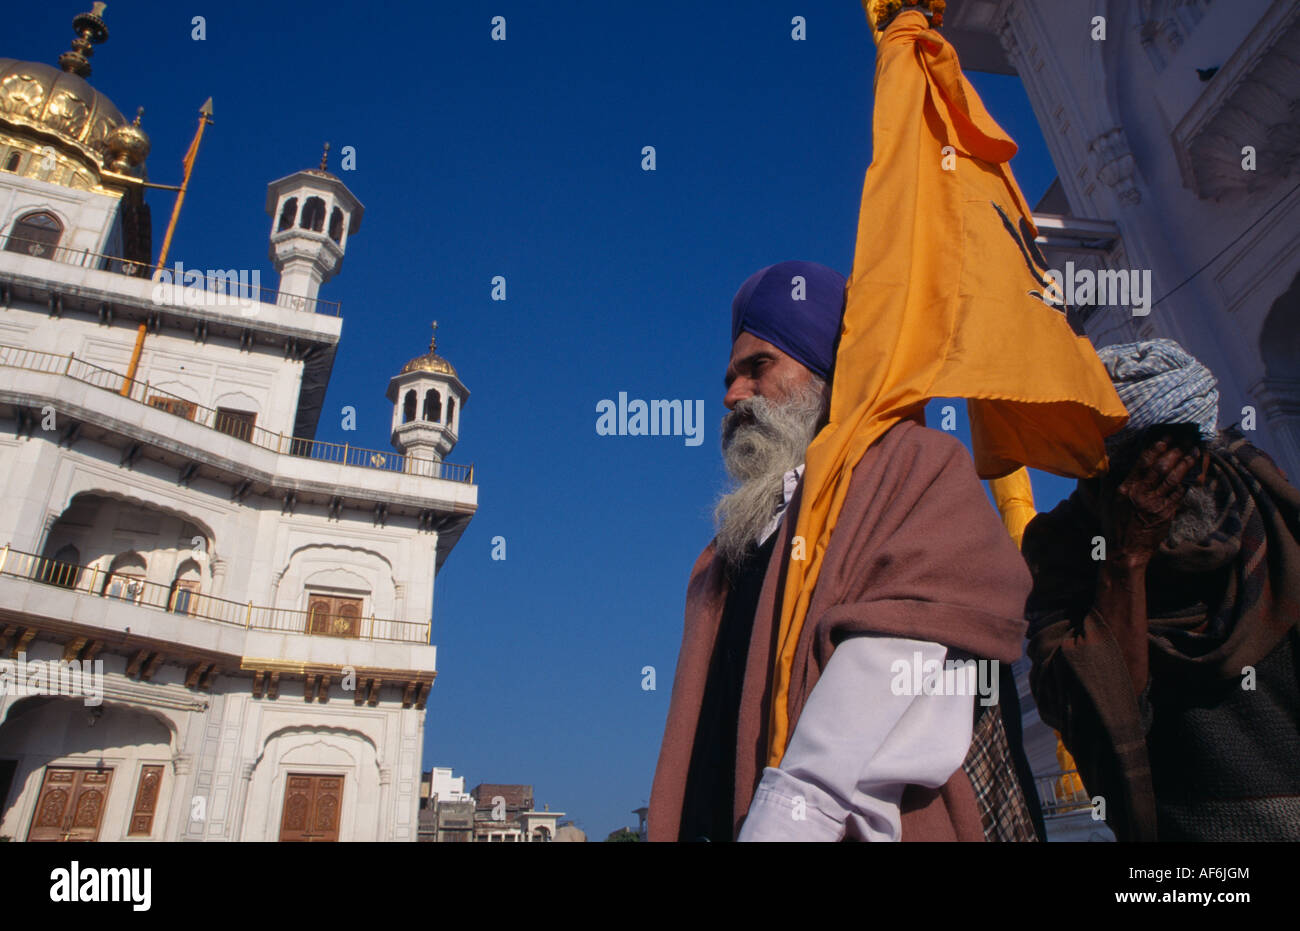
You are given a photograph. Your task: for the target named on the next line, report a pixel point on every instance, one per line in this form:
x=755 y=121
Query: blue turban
x=1160 y=383
x=800 y=319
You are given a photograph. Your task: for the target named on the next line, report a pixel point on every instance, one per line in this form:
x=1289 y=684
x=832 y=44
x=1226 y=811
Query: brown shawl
x=917 y=552
x=1079 y=677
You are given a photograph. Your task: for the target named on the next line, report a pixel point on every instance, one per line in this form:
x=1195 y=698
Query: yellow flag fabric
x=945 y=300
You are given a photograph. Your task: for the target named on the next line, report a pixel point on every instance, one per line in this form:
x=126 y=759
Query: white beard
x=761 y=441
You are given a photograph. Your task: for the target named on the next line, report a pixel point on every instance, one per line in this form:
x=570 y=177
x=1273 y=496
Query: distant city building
x=445 y=787
x=568 y=832
x=489 y=813
x=446 y=809
x=506 y=813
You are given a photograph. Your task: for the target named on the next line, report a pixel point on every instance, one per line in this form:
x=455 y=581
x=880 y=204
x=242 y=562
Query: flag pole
x=205 y=118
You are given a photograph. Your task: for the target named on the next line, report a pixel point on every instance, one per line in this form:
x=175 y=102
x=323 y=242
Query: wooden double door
x=71 y=805
x=334 y=616
x=312 y=803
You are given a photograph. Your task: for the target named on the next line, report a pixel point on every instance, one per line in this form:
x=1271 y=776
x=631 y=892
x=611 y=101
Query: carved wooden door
x=71 y=805
x=337 y=617
x=311 y=808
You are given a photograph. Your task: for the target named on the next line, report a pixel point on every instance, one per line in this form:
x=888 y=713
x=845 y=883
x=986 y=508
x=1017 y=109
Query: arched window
x=35 y=234
x=185 y=589
x=451 y=409
x=541 y=835
x=432 y=406
x=63 y=570
x=126 y=578
x=313 y=214
x=11 y=163
x=336 y=224
x=288 y=214
x=408 y=407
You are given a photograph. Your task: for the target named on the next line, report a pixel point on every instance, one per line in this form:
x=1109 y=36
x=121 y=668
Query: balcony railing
x=222 y=286
x=228 y=422
x=178 y=599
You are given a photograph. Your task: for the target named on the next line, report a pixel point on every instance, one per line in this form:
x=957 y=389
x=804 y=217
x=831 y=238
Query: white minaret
x=428 y=398
x=312 y=215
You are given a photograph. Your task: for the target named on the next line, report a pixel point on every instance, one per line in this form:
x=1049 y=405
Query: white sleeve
x=861 y=739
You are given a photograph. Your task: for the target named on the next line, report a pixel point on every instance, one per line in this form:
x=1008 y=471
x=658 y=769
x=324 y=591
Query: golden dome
x=58 y=103
x=43 y=98
x=430 y=361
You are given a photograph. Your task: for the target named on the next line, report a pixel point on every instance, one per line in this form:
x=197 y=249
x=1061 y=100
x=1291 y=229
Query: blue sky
x=522 y=159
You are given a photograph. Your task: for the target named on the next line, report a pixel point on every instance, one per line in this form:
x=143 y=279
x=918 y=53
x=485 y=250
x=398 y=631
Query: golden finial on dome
x=91 y=31
x=324 y=157
x=430 y=361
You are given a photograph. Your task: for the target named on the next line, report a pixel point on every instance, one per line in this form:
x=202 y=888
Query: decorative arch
x=36 y=232
x=313 y=214
x=293 y=730
x=408 y=407
x=126 y=577
x=298 y=747
x=336 y=225
x=341 y=579
x=178 y=388
x=327 y=560
x=238 y=400
x=288 y=213
x=1279 y=337
x=202 y=526
x=63 y=568
x=186 y=586
x=1278 y=392
x=433 y=405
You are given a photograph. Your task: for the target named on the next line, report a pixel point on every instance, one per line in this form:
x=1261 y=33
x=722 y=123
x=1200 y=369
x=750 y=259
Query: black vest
x=711 y=780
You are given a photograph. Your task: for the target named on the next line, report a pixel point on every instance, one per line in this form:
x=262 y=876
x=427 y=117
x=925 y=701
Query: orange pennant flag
x=947 y=299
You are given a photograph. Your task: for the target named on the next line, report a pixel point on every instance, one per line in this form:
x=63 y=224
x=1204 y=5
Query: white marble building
x=261 y=602
x=1167 y=164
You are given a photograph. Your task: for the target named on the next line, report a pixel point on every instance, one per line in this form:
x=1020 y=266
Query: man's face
x=757 y=368
x=776 y=406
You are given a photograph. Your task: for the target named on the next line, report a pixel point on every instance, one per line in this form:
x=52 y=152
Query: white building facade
x=1175 y=139
x=260 y=602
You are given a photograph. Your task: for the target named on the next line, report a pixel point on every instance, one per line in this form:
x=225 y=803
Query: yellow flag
x=947 y=299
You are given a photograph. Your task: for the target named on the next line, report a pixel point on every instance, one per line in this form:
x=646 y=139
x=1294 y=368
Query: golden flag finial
x=433 y=343
x=324 y=157
x=91 y=31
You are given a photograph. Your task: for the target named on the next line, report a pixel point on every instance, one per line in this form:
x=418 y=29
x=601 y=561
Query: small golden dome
x=129 y=145
x=430 y=361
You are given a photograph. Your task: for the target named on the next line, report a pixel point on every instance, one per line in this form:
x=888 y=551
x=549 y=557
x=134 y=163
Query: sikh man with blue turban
x=1165 y=617
x=918 y=572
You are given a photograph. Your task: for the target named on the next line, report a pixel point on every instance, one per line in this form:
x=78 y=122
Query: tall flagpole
x=205 y=118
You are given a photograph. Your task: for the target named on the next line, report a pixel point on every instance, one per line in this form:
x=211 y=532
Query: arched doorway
x=84 y=772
